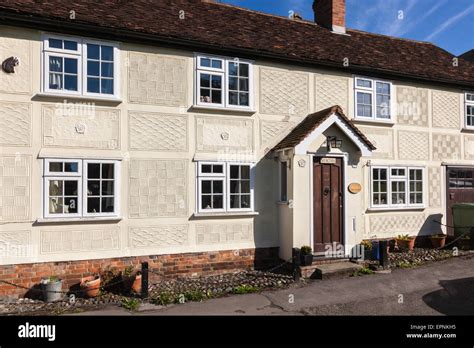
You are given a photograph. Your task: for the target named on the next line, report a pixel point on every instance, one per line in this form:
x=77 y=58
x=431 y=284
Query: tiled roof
x=224 y=27
x=469 y=55
x=311 y=122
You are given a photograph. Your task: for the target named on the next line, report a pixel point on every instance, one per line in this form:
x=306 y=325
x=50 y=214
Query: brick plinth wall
x=173 y=266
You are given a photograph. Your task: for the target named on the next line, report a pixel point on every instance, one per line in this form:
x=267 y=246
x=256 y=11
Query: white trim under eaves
x=302 y=147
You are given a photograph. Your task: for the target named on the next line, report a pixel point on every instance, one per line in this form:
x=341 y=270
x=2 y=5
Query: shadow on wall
x=429 y=227
x=456 y=297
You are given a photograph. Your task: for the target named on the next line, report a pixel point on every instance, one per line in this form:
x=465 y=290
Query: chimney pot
x=330 y=14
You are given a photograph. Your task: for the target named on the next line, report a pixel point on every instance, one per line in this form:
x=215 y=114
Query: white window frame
x=116 y=188
x=251 y=183
x=81 y=177
x=466 y=104
x=225 y=177
x=406 y=179
x=225 y=82
x=373 y=92
x=81 y=55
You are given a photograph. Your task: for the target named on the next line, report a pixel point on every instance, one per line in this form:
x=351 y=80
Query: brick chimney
x=330 y=14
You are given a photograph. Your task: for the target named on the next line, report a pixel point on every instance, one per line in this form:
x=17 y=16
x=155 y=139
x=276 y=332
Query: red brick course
x=172 y=265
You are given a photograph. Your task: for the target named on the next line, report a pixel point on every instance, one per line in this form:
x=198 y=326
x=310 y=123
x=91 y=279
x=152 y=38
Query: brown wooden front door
x=460 y=189
x=327 y=201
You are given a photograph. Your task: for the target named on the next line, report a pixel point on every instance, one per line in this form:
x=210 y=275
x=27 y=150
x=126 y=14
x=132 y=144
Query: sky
x=449 y=24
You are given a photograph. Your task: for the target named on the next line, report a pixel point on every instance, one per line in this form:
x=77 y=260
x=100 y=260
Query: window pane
x=205 y=62
x=234 y=186
x=206 y=186
x=216 y=81
x=56 y=188
x=206 y=168
x=233 y=69
x=93 y=85
x=234 y=98
x=243 y=69
x=107 y=188
x=233 y=83
x=93 y=205
x=217 y=187
x=55 y=43
x=55 y=64
x=245 y=186
x=235 y=201
x=205 y=95
x=70 y=205
x=107 y=70
x=55 y=166
x=205 y=80
x=107 y=86
x=245 y=201
x=107 y=204
x=244 y=85
x=216 y=64
x=218 y=168
x=244 y=99
x=93 y=170
x=107 y=53
x=107 y=170
x=70 y=45
x=383 y=88
x=55 y=81
x=56 y=205
x=206 y=202
x=234 y=172
x=93 y=188
x=245 y=172
x=70 y=167
x=217 y=202
x=70 y=66
x=70 y=82
x=93 y=68
x=93 y=51
x=216 y=96
x=364 y=83
x=70 y=188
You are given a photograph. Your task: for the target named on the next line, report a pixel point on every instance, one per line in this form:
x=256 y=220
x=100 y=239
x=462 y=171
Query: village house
x=203 y=137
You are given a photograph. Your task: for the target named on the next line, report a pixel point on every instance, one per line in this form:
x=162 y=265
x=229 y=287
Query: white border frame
x=198 y=88
x=373 y=92
x=46 y=180
x=251 y=173
x=405 y=178
x=466 y=103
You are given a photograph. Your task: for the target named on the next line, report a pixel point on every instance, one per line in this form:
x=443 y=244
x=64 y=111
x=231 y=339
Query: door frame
x=345 y=157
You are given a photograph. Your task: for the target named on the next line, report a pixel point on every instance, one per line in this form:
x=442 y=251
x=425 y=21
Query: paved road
x=442 y=288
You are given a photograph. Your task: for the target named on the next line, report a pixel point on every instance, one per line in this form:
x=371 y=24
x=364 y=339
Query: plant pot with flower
x=306 y=255
x=51 y=288
x=90 y=285
x=438 y=240
x=406 y=242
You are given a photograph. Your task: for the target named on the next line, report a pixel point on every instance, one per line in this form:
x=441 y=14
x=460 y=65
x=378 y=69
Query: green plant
x=366 y=244
x=195 y=295
x=53 y=278
x=163 y=299
x=404 y=237
x=363 y=271
x=131 y=304
x=438 y=235
x=128 y=271
x=306 y=250
x=245 y=289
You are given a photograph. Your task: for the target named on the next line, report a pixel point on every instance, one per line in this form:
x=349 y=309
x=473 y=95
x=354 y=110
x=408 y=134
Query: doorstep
x=330 y=269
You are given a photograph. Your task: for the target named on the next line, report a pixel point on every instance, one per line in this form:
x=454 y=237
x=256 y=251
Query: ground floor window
x=81 y=188
x=224 y=187
x=397 y=187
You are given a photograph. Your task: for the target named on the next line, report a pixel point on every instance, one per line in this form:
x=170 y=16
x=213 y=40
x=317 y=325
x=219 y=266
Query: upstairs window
x=397 y=187
x=373 y=99
x=469 y=107
x=224 y=82
x=224 y=187
x=80 y=67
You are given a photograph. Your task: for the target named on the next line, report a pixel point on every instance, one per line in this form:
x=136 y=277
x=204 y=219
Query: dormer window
x=223 y=82
x=81 y=67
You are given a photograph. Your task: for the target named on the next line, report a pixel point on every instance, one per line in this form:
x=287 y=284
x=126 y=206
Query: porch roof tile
x=312 y=121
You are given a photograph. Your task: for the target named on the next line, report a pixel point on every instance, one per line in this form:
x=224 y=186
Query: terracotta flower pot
x=91 y=286
x=137 y=284
x=438 y=242
x=407 y=244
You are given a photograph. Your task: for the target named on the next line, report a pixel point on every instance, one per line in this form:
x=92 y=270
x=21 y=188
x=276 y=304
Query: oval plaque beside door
x=355 y=187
